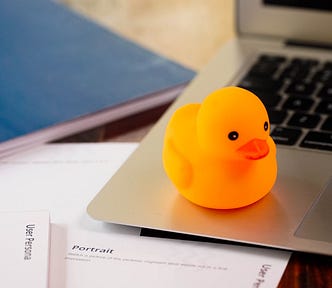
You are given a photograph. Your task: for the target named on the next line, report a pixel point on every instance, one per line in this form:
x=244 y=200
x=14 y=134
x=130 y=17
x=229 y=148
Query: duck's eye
x=233 y=135
x=266 y=126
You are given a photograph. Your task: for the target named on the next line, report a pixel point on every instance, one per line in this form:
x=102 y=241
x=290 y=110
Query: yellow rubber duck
x=219 y=154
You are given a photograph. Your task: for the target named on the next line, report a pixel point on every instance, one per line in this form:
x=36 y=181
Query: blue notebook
x=61 y=73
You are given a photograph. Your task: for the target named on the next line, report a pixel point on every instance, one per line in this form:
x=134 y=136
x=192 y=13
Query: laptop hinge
x=308 y=44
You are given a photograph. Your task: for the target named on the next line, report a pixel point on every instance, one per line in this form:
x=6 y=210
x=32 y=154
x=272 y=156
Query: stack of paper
x=62 y=178
x=24 y=246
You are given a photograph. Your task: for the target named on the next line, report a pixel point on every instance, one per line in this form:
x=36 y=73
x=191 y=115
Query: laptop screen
x=300 y=20
x=311 y=4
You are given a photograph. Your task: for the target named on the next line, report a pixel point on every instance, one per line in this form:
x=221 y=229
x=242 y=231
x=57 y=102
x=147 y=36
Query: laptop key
x=263 y=69
x=324 y=75
x=304 y=120
x=286 y=136
x=317 y=140
x=272 y=58
x=327 y=125
x=266 y=66
x=328 y=65
x=254 y=83
x=304 y=62
x=300 y=89
x=298 y=103
x=325 y=107
x=325 y=92
x=298 y=69
x=270 y=100
x=295 y=73
x=277 y=116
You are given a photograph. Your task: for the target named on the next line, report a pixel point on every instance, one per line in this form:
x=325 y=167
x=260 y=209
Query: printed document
x=24 y=243
x=63 y=178
x=86 y=259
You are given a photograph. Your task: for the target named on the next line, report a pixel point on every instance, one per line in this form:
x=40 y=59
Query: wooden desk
x=189 y=32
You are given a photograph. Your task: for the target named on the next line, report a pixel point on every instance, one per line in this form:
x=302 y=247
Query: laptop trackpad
x=316 y=224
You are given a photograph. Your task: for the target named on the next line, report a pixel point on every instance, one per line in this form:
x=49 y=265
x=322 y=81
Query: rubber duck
x=219 y=153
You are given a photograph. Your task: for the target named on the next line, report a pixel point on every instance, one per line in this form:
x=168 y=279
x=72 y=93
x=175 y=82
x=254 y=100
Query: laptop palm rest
x=316 y=224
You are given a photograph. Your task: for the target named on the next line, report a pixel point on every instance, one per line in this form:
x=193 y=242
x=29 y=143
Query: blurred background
x=187 y=31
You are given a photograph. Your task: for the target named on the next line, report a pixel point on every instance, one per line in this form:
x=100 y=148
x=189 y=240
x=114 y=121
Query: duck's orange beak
x=254 y=149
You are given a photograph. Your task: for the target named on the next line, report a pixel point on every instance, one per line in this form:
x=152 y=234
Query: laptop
x=282 y=53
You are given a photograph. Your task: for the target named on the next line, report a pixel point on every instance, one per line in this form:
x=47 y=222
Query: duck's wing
x=177 y=167
x=179 y=143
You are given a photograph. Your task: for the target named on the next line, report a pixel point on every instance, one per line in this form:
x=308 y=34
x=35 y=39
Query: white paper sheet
x=24 y=243
x=63 y=178
x=84 y=259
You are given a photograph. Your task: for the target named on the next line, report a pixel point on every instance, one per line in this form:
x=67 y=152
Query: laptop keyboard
x=297 y=93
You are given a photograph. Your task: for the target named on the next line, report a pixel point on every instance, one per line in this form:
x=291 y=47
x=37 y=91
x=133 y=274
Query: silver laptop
x=283 y=54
